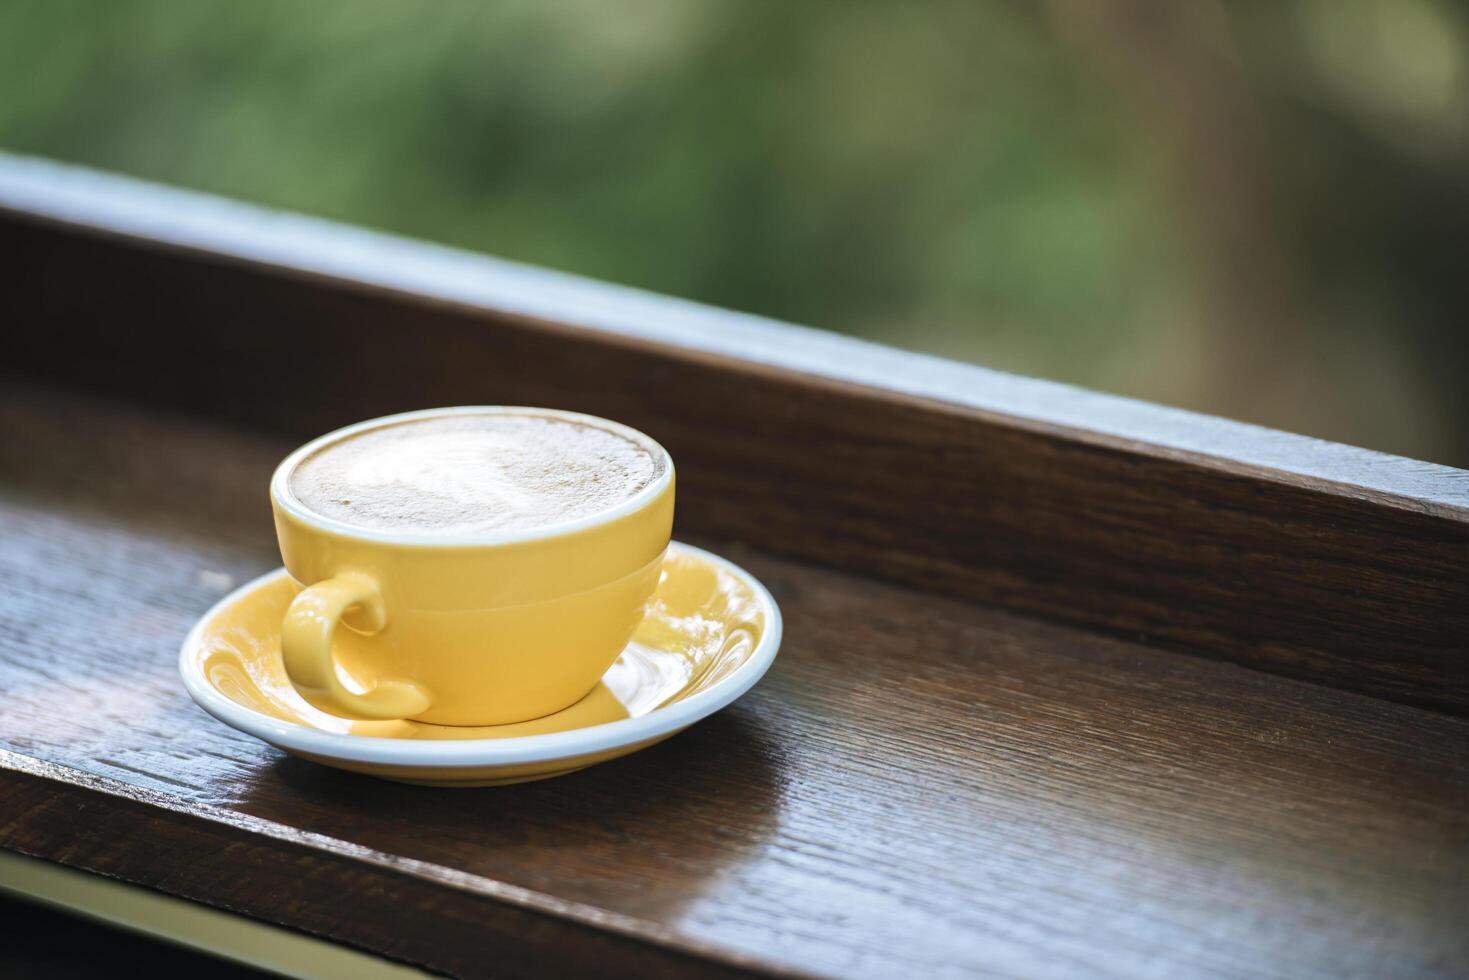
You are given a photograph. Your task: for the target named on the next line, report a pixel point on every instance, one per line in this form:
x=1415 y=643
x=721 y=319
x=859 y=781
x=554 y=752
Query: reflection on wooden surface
x=921 y=786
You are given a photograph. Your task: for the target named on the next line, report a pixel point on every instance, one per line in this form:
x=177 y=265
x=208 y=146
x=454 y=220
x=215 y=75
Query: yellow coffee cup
x=481 y=629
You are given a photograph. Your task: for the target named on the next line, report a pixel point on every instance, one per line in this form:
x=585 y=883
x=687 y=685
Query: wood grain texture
x=920 y=787
x=295 y=245
x=460 y=925
x=1355 y=578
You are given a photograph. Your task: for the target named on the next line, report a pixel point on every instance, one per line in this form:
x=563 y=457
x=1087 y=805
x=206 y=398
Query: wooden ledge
x=1287 y=554
x=981 y=750
x=920 y=786
x=293 y=245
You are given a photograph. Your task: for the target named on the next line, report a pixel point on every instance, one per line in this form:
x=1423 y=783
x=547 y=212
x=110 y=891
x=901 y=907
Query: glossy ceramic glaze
x=482 y=629
x=711 y=631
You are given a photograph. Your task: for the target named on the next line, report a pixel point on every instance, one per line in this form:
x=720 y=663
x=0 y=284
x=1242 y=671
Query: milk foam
x=467 y=474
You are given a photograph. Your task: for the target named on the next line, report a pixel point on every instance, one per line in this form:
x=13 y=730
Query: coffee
x=475 y=473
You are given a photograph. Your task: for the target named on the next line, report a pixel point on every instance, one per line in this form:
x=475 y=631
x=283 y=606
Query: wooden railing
x=1002 y=734
x=1289 y=554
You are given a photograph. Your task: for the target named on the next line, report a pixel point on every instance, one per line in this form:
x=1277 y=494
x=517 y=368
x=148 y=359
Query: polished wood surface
x=1290 y=555
x=921 y=787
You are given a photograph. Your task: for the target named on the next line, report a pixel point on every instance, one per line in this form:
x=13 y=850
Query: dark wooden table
x=1071 y=685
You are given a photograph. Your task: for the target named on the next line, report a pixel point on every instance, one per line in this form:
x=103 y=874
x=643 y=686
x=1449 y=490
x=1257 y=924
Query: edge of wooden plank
x=652 y=945
x=115 y=205
x=189 y=924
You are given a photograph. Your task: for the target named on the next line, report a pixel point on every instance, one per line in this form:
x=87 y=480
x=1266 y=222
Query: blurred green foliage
x=966 y=178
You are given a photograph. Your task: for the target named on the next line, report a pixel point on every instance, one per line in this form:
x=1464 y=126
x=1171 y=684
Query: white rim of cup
x=437 y=753
x=280 y=490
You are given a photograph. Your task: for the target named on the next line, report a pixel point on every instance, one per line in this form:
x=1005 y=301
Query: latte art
x=475 y=473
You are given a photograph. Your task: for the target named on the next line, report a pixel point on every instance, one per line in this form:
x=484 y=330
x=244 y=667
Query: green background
x=1258 y=209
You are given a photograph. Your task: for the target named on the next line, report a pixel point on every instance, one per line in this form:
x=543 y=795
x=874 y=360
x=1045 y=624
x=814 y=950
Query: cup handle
x=306 y=647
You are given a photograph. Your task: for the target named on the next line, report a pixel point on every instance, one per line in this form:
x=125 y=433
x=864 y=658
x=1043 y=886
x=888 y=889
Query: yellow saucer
x=711 y=632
